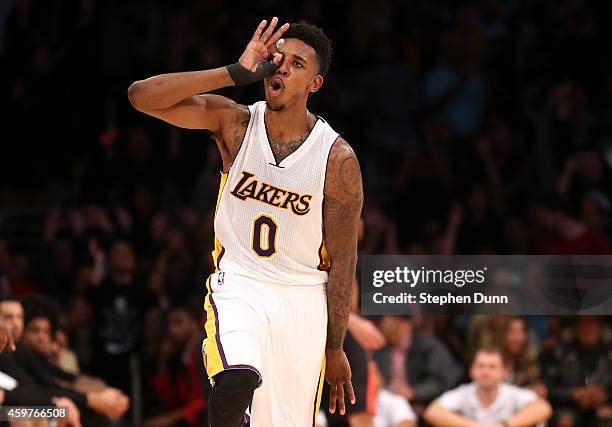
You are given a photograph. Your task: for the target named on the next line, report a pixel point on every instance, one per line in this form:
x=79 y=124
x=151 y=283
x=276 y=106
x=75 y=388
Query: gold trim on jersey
x=317 y=405
x=324 y=259
x=218 y=250
x=210 y=348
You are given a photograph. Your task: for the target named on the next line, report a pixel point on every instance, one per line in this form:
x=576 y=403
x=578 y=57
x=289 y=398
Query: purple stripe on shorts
x=217 y=336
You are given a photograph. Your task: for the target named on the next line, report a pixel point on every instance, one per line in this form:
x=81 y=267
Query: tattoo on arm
x=341 y=211
x=230 y=139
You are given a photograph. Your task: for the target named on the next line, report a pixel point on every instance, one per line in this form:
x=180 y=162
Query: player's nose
x=283 y=68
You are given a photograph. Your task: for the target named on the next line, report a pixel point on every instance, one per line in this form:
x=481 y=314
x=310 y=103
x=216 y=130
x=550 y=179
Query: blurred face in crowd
x=122 y=260
x=181 y=326
x=37 y=335
x=60 y=343
x=516 y=336
x=397 y=330
x=488 y=370
x=589 y=330
x=11 y=314
x=297 y=76
x=593 y=214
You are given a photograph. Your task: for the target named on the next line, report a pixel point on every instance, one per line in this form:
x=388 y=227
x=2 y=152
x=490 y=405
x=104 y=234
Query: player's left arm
x=341 y=211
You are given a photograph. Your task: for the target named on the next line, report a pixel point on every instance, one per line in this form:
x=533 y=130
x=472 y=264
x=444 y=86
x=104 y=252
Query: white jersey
x=269 y=218
x=508 y=401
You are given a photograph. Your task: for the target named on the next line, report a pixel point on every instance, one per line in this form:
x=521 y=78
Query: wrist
x=240 y=75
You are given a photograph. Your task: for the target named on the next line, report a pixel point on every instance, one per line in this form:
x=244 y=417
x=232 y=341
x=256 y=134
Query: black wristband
x=242 y=76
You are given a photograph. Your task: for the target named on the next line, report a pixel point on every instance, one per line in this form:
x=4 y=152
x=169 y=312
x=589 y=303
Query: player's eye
x=297 y=64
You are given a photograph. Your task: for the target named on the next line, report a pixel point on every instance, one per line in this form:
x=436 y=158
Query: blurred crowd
x=482 y=127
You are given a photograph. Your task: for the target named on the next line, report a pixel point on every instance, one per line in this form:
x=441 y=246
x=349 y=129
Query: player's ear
x=316 y=83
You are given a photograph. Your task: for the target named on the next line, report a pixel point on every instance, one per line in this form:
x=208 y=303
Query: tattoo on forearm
x=341 y=211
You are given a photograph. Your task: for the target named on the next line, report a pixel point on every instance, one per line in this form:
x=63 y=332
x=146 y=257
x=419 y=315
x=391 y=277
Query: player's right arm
x=175 y=98
x=181 y=98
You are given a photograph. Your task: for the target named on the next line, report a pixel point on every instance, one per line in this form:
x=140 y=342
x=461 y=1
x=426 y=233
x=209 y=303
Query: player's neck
x=291 y=122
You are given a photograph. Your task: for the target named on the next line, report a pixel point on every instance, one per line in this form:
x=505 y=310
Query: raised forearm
x=166 y=90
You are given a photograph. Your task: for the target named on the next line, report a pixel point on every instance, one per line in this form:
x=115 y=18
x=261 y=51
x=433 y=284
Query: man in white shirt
x=487 y=401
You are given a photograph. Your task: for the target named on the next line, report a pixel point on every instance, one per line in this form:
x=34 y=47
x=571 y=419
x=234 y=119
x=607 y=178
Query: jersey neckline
x=293 y=157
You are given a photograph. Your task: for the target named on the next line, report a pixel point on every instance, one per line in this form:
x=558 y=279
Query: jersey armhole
x=244 y=137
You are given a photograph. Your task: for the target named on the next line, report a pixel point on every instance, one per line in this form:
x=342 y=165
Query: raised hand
x=261 y=45
x=6 y=339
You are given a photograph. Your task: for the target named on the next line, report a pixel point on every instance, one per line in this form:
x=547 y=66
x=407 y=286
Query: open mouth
x=276 y=87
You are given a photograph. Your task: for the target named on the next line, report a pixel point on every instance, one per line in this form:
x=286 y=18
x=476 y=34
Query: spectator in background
x=180 y=385
x=454 y=89
x=61 y=354
x=487 y=400
x=33 y=369
x=578 y=375
x=118 y=302
x=595 y=210
x=520 y=354
x=444 y=328
x=416 y=366
x=567 y=234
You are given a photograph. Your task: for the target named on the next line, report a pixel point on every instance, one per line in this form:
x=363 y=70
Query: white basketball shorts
x=276 y=331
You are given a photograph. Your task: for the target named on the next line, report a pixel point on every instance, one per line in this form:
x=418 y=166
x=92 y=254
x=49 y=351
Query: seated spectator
x=180 y=385
x=29 y=367
x=487 y=400
x=521 y=355
x=15 y=393
x=62 y=355
x=416 y=366
x=578 y=375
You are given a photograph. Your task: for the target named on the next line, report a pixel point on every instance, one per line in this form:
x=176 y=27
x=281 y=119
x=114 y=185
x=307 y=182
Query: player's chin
x=274 y=104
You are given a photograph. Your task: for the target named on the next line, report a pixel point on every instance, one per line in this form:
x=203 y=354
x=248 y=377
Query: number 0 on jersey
x=264 y=236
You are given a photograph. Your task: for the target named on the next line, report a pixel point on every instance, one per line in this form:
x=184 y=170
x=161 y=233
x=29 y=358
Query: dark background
x=481 y=127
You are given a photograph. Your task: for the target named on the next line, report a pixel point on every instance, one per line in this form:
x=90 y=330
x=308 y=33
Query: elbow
x=134 y=93
x=429 y=414
x=547 y=410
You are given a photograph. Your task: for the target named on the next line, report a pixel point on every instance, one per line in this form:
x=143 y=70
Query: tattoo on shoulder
x=343 y=181
x=238 y=127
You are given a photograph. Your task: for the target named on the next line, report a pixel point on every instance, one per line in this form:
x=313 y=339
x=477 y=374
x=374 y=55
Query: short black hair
x=39 y=306
x=316 y=38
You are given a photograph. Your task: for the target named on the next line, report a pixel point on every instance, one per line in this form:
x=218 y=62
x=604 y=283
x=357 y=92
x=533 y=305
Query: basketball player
x=285 y=225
